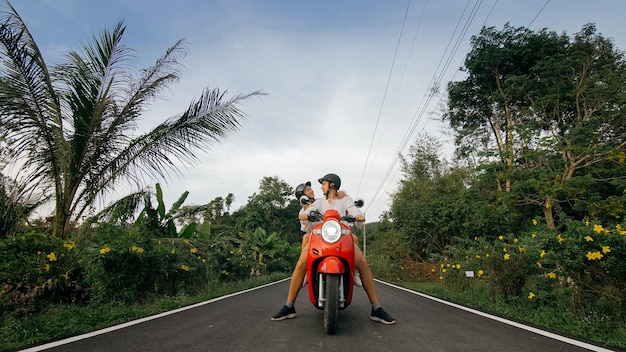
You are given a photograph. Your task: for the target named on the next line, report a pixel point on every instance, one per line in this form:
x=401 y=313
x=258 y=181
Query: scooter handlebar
x=316 y=216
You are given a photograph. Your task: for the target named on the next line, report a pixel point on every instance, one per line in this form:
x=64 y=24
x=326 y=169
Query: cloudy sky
x=349 y=83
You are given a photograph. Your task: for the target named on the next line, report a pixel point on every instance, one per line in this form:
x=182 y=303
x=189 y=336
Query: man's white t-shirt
x=344 y=206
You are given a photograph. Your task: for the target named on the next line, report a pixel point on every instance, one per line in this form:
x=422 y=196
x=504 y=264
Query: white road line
x=139 y=321
x=509 y=322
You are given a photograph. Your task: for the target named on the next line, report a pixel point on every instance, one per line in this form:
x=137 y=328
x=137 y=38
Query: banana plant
x=164 y=222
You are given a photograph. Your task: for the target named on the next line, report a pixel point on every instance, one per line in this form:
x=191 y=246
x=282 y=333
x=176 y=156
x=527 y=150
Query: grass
x=552 y=316
x=56 y=322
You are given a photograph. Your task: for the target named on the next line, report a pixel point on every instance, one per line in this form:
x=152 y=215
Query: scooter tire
x=331 y=305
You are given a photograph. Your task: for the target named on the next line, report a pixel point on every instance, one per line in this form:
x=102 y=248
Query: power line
x=436 y=81
x=538 y=13
x=419 y=23
x=385 y=94
x=426 y=97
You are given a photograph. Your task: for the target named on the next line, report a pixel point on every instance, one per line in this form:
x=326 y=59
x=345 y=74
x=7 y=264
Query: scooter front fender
x=331 y=265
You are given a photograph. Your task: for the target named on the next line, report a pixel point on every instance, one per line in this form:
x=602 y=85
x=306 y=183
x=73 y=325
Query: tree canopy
x=546 y=111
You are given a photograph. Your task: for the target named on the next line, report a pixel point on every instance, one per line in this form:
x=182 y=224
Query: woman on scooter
x=330 y=186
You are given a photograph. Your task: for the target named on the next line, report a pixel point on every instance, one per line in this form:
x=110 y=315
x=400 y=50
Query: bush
x=124 y=266
x=36 y=269
x=584 y=265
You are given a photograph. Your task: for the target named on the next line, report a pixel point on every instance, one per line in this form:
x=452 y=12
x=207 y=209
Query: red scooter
x=330 y=265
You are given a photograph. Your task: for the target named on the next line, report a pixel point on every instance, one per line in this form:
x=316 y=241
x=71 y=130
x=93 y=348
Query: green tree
x=69 y=126
x=426 y=209
x=546 y=112
x=271 y=208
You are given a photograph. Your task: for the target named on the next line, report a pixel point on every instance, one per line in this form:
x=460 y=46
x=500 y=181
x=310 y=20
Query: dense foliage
x=533 y=208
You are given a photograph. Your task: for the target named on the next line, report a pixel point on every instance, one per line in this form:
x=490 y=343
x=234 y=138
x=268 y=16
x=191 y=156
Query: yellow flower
x=137 y=249
x=458 y=266
x=515 y=240
x=606 y=249
x=531 y=295
x=46 y=267
x=507 y=256
x=432 y=270
x=598 y=228
x=539 y=264
x=594 y=255
x=501 y=238
x=480 y=273
x=193 y=250
x=184 y=267
x=105 y=249
x=551 y=275
x=476 y=239
x=559 y=238
x=444 y=270
x=52 y=257
x=477 y=256
x=587 y=223
x=69 y=245
x=487 y=255
x=440 y=277
x=535 y=222
x=173 y=251
x=522 y=250
x=504 y=249
x=588 y=238
x=186 y=241
x=442 y=265
x=534 y=235
x=66 y=275
x=542 y=253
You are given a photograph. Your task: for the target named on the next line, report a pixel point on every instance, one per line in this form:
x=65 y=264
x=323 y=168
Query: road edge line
x=142 y=320
x=538 y=331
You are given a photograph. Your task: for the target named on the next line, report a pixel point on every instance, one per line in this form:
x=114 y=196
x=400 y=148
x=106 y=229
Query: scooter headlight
x=331 y=231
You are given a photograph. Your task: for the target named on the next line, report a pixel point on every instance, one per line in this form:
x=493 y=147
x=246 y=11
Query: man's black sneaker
x=381 y=316
x=285 y=313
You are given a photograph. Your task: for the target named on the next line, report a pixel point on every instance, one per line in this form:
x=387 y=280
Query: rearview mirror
x=359 y=202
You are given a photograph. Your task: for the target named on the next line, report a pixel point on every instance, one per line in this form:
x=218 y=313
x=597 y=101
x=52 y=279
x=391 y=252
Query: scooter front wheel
x=331 y=304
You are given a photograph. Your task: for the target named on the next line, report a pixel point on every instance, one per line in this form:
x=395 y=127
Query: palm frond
x=29 y=107
x=123 y=210
x=153 y=154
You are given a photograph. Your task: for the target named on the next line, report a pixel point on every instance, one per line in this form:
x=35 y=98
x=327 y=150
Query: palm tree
x=69 y=127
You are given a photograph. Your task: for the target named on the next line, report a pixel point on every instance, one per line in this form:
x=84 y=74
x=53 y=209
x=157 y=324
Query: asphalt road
x=242 y=323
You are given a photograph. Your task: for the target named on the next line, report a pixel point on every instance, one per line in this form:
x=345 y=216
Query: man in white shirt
x=330 y=186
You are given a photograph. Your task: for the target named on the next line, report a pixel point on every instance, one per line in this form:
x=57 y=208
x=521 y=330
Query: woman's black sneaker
x=285 y=313
x=381 y=316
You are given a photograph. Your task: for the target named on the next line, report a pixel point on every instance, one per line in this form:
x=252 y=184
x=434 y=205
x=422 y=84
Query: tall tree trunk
x=548 y=214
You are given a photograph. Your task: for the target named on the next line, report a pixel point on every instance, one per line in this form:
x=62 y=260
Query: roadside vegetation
x=525 y=221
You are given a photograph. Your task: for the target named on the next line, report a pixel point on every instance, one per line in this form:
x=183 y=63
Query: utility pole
x=364 y=238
